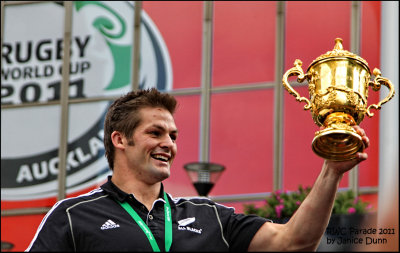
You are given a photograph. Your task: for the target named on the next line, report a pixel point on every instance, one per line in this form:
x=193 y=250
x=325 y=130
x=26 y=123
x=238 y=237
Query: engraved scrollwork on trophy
x=352 y=97
x=311 y=90
x=331 y=100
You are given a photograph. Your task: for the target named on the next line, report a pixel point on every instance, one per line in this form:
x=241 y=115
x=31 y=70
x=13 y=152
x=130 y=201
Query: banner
x=100 y=65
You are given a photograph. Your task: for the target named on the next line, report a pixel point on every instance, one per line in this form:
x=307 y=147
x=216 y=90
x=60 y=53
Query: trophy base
x=337 y=144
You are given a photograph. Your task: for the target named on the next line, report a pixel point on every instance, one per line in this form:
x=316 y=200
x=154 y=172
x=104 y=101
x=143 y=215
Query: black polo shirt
x=96 y=222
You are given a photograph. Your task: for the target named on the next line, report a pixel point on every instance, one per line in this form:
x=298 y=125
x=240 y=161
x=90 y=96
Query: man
x=131 y=212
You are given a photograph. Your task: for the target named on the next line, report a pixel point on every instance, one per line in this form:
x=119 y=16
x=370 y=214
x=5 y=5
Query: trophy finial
x=339 y=52
x=338 y=44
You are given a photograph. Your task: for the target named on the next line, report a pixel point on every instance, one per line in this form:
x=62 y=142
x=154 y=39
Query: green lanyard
x=145 y=228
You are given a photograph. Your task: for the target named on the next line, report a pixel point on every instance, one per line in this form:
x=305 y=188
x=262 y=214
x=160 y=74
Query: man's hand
x=342 y=166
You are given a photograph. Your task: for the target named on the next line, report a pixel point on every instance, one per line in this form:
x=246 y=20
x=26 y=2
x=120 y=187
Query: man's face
x=154 y=145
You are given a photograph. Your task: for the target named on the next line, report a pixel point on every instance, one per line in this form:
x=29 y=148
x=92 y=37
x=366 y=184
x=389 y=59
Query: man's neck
x=145 y=193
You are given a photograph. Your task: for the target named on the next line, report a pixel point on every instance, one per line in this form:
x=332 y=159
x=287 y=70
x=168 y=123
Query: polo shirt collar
x=113 y=190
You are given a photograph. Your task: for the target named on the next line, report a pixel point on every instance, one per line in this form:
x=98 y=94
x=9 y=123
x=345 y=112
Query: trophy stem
x=338 y=141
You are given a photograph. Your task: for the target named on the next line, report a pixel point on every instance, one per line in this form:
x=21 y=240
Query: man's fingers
x=365 y=139
x=359 y=130
x=362 y=156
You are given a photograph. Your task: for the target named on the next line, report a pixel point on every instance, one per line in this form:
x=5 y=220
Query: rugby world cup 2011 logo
x=100 y=65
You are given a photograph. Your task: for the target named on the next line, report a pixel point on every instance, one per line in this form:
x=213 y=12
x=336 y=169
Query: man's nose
x=167 y=142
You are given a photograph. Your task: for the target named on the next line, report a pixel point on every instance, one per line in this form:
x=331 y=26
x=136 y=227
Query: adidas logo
x=109 y=224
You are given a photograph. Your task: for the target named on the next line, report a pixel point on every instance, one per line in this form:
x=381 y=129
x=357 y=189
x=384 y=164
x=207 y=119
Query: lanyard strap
x=145 y=228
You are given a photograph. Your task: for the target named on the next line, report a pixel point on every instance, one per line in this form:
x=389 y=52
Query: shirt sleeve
x=53 y=233
x=239 y=229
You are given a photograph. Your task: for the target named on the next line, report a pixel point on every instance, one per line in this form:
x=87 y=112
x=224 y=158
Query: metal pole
x=136 y=46
x=278 y=100
x=206 y=81
x=25 y=211
x=355 y=48
x=64 y=97
x=388 y=194
x=2 y=31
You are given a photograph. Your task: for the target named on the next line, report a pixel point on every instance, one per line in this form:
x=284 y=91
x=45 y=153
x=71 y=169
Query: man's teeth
x=160 y=157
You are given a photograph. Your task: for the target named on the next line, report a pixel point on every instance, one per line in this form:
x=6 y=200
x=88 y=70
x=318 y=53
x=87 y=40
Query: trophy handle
x=296 y=71
x=376 y=86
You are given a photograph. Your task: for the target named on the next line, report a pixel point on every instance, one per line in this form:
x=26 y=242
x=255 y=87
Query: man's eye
x=155 y=133
x=173 y=137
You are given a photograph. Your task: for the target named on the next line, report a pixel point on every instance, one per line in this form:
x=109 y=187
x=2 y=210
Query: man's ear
x=118 y=140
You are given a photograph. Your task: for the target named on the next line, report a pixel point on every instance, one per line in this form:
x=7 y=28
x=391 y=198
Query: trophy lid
x=339 y=52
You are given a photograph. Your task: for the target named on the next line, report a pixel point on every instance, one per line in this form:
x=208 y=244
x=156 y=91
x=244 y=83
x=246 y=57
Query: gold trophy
x=338 y=87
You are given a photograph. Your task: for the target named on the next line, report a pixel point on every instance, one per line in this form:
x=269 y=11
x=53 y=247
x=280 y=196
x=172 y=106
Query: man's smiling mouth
x=162 y=158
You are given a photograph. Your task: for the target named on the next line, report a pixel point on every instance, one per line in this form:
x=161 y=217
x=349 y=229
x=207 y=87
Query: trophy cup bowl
x=338 y=83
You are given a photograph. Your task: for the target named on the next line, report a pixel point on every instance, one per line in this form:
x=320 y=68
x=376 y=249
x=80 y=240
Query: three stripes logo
x=109 y=224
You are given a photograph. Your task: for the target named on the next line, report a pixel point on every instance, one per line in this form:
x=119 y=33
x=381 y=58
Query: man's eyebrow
x=175 y=131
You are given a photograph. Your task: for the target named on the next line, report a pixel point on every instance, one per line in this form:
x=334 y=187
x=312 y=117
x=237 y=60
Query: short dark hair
x=123 y=115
